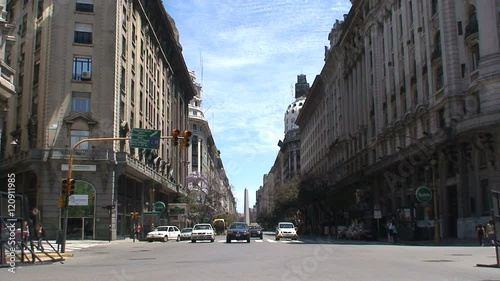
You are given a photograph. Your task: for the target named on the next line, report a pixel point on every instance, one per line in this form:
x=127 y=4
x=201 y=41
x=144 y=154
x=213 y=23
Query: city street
x=265 y=260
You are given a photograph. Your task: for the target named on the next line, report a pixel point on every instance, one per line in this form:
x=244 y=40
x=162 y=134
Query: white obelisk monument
x=246 y=211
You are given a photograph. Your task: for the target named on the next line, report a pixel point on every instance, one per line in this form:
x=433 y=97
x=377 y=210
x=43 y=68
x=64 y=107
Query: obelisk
x=246 y=211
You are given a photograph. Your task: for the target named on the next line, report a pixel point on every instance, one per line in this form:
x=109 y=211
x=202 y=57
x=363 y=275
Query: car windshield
x=286 y=225
x=161 y=229
x=254 y=227
x=238 y=226
x=203 y=226
x=187 y=230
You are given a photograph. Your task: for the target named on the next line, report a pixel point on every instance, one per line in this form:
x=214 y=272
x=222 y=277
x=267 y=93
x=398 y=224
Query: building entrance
x=81 y=212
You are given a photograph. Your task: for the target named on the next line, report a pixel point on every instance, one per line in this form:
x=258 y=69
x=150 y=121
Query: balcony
x=471 y=29
x=33 y=155
x=7 y=88
x=436 y=54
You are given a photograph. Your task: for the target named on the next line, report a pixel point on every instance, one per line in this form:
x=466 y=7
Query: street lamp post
x=437 y=232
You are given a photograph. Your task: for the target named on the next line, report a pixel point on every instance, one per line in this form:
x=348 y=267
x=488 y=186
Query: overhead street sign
x=145 y=138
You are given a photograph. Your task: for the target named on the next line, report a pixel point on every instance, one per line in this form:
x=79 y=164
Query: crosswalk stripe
x=259 y=241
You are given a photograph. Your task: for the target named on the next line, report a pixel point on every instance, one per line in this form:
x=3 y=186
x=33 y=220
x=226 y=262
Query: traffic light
x=64 y=186
x=71 y=187
x=175 y=137
x=186 y=135
x=61 y=203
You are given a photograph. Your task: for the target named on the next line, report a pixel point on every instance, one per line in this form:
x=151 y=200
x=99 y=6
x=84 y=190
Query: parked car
x=286 y=230
x=202 y=231
x=164 y=233
x=238 y=231
x=256 y=231
x=186 y=233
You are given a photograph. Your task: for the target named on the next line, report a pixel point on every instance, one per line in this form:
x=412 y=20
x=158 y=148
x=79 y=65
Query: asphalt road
x=265 y=260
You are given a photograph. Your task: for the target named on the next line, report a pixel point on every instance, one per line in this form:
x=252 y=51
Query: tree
x=206 y=194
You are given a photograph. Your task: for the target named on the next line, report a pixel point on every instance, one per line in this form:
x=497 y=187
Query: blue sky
x=247 y=55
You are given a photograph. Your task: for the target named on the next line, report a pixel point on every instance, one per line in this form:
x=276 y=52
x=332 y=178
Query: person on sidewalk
x=41 y=236
x=390 y=235
x=480 y=234
x=394 y=233
x=490 y=232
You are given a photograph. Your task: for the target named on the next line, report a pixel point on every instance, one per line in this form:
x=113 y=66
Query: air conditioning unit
x=86 y=75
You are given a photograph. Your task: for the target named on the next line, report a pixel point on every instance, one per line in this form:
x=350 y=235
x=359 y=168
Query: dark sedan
x=256 y=231
x=238 y=231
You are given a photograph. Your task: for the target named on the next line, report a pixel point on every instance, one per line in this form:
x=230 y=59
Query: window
x=38 y=39
x=124 y=47
x=78 y=135
x=434 y=7
x=36 y=73
x=83 y=33
x=80 y=102
x=39 y=12
x=81 y=65
x=439 y=78
x=24 y=25
x=86 y=6
x=442 y=118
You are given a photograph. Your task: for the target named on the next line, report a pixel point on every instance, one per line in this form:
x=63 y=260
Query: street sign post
x=145 y=138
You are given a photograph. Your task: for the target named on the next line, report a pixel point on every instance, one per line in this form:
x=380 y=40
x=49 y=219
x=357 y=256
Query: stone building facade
x=408 y=98
x=95 y=69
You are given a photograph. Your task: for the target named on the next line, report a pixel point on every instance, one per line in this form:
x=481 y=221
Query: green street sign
x=423 y=194
x=145 y=138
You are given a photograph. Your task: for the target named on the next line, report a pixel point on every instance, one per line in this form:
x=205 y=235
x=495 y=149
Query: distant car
x=202 y=231
x=286 y=230
x=164 y=233
x=186 y=233
x=238 y=231
x=256 y=231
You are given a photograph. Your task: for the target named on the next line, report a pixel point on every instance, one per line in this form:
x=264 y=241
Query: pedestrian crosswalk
x=70 y=246
x=266 y=240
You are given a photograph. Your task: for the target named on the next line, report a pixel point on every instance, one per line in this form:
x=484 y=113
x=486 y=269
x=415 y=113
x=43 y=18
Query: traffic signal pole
x=69 y=179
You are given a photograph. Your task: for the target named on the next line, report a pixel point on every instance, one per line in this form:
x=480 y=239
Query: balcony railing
x=471 y=28
x=436 y=53
x=90 y=154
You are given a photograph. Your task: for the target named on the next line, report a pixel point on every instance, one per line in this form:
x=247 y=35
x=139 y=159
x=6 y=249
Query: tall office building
x=95 y=69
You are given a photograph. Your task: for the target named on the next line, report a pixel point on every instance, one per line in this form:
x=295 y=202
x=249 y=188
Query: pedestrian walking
x=490 y=232
x=480 y=234
x=394 y=233
x=41 y=236
x=390 y=236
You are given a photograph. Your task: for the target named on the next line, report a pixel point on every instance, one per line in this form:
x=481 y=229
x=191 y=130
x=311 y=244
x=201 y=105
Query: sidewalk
x=467 y=242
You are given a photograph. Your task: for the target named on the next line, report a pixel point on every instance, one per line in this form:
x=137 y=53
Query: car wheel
x=178 y=239
x=165 y=239
x=193 y=241
x=277 y=239
x=212 y=240
x=228 y=240
x=248 y=240
x=150 y=240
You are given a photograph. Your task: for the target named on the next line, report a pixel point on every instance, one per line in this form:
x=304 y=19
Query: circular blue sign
x=154 y=142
